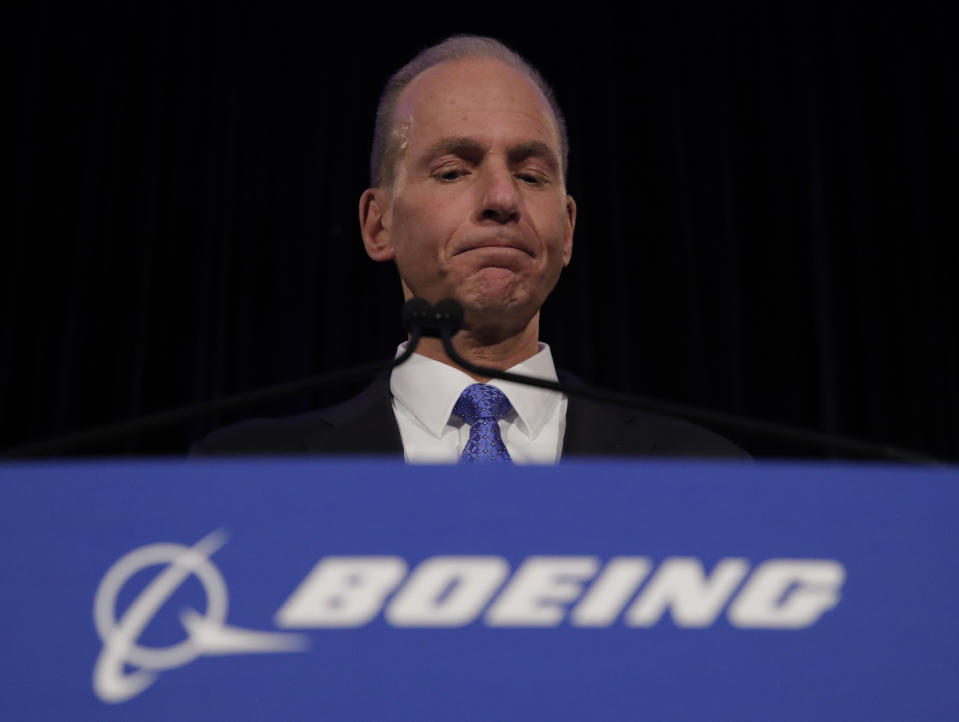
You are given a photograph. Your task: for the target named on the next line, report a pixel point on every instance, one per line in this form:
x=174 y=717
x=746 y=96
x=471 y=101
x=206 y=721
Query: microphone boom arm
x=715 y=419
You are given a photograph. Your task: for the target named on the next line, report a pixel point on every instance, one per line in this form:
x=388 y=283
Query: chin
x=497 y=316
x=493 y=290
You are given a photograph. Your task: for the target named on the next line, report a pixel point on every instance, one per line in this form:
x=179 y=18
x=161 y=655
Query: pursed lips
x=496 y=242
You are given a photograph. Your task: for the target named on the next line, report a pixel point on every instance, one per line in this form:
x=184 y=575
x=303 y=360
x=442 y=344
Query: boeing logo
x=450 y=591
x=206 y=634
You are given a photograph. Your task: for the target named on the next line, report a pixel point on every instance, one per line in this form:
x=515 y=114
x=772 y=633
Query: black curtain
x=767 y=197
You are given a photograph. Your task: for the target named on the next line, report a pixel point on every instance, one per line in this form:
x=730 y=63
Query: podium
x=357 y=589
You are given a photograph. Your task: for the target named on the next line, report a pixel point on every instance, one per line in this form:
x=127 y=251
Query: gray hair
x=385 y=143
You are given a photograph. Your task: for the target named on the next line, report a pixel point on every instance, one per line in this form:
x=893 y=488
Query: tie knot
x=480 y=401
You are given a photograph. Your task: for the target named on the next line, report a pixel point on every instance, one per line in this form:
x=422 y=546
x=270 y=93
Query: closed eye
x=448 y=176
x=530 y=179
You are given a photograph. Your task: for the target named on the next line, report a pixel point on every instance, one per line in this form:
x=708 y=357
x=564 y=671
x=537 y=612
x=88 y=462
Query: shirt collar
x=429 y=389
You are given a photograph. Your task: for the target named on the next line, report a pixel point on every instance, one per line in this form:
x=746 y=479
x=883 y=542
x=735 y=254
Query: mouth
x=496 y=244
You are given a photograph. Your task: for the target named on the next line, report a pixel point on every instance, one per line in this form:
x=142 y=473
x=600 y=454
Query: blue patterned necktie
x=482 y=407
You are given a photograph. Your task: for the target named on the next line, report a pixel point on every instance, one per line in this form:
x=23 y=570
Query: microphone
x=415 y=313
x=449 y=318
x=433 y=321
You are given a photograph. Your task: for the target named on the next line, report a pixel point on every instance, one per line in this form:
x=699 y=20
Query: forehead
x=474 y=96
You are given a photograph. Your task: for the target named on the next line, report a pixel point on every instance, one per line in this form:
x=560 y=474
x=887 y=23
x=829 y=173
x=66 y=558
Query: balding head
x=388 y=138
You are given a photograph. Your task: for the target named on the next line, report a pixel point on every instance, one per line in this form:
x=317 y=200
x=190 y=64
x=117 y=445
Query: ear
x=570 y=226
x=375 y=222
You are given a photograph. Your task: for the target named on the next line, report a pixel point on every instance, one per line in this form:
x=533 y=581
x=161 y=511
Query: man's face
x=478 y=208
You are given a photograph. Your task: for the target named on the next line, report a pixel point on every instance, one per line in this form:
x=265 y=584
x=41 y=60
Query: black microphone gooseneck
x=418 y=320
x=448 y=315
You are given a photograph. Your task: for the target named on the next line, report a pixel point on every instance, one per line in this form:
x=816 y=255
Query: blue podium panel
x=364 y=590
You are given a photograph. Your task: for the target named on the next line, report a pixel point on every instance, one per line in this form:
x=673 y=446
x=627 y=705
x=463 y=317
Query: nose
x=500 y=200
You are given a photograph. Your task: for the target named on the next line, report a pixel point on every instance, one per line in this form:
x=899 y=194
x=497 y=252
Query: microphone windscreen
x=449 y=312
x=415 y=311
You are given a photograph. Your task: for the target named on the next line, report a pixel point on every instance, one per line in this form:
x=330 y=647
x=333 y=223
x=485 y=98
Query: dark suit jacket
x=366 y=425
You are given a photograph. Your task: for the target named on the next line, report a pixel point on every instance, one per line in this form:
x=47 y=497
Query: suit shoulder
x=261 y=436
x=331 y=429
x=672 y=436
x=613 y=430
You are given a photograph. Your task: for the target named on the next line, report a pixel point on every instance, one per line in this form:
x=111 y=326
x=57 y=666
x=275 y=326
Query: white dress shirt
x=425 y=391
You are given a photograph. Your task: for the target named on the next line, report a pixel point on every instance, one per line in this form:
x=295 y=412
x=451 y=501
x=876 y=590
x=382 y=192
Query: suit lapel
x=364 y=424
x=593 y=428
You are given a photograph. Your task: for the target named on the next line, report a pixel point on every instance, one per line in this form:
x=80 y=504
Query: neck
x=479 y=348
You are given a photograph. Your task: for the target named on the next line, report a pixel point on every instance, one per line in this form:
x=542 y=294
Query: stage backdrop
x=766 y=199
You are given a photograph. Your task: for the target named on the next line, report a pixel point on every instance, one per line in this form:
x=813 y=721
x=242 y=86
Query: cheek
x=420 y=220
x=553 y=229
x=432 y=234
x=408 y=234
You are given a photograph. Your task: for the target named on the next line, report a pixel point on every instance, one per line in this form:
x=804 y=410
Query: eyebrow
x=470 y=148
x=456 y=145
x=535 y=149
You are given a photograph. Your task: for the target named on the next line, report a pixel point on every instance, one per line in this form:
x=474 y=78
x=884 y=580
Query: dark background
x=767 y=208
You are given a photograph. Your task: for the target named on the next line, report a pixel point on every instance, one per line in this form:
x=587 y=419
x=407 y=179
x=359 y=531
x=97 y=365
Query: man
x=469 y=200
